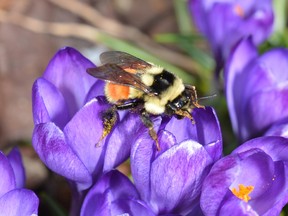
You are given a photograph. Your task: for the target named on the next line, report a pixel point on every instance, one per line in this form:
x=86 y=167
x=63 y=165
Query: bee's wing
x=115 y=74
x=123 y=60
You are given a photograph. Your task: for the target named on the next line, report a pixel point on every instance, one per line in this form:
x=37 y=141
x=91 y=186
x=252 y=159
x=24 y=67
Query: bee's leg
x=195 y=102
x=129 y=105
x=109 y=118
x=185 y=113
x=149 y=124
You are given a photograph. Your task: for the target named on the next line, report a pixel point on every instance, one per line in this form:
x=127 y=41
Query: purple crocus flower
x=68 y=122
x=252 y=180
x=67 y=112
x=256 y=89
x=114 y=194
x=224 y=23
x=170 y=181
x=14 y=199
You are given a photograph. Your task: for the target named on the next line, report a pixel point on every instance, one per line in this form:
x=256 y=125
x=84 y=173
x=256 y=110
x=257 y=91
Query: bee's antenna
x=207 y=97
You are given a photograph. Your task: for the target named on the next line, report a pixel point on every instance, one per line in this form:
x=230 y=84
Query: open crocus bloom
x=170 y=181
x=67 y=111
x=252 y=180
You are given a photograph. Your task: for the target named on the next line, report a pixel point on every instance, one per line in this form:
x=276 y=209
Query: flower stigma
x=239 y=10
x=243 y=192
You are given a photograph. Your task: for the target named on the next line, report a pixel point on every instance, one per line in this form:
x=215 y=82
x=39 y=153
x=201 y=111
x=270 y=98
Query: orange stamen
x=239 y=10
x=243 y=192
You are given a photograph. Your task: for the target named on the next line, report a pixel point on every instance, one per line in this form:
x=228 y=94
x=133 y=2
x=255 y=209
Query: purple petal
x=110 y=187
x=182 y=129
x=217 y=182
x=250 y=167
x=96 y=90
x=275 y=197
x=257 y=109
x=15 y=160
x=48 y=104
x=130 y=207
x=83 y=133
x=205 y=130
x=208 y=127
x=19 y=202
x=275 y=62
x=142 y=155
x=275 y=147
x=121 y=139
x=176 y=177
x=244 y=53
x=67 y=71
x=278 y=129
x=252 y=162
x=7 y=182
x=235 y=206
x=52 y=147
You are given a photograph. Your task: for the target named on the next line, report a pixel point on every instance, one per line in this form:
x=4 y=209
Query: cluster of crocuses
x=67 y=107
x=252 y=180
x=188 y=176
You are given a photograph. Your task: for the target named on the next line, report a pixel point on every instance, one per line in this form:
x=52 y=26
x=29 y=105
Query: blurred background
x=31 y=32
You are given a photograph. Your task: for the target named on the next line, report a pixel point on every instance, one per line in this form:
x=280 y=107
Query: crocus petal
x=250 y=164
x=257 y=107
x=143 y=152
x=208 y=127
x=121 y=139
x=67 y=71
x=7 y=182
x=84 y=139
x=172 y=186
x=205 y=130
x=275 y=197
x=19 y=202
x=275 y=147
x=235 y=206
x=278 y=129
x=188 y=130
x=130 y=207
x=51 y=145
x=95 y=90
x=275 y=62
x=258 y=163
x=216 y=182
x=15 y=160
x=244 y=53
x=109 y=188
x=48 y=104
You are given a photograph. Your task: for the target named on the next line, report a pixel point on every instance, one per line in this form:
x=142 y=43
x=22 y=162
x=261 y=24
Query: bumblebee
x=132 y=83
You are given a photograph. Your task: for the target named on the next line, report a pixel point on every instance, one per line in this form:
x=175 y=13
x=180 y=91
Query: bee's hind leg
x=149 y=124
x=109 y=118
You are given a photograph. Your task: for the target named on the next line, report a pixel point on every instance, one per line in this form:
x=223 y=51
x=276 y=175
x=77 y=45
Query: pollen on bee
x=243 y=192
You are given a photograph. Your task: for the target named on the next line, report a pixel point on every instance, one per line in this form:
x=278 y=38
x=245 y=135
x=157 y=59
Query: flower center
x=239 y=10
x=243 y=192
